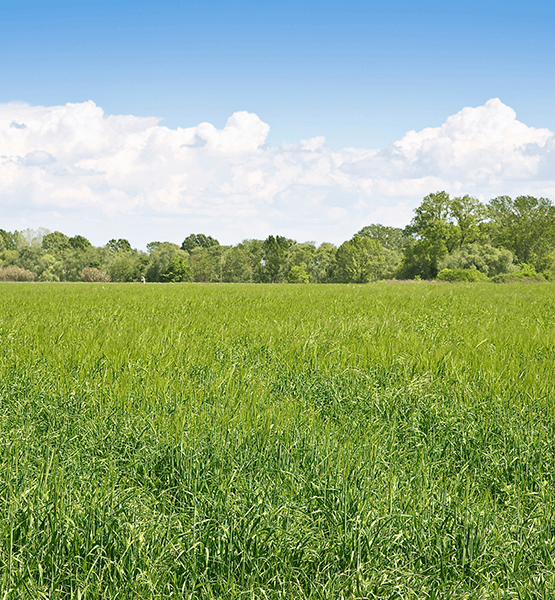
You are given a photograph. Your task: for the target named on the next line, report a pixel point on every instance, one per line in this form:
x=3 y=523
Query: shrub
x=91 y=274
x=13 y=273
x=487 y=259
x=461 y=275
x=48 y=277
x=526 y=273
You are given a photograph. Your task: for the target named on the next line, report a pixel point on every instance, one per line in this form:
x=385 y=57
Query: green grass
x=221 y=441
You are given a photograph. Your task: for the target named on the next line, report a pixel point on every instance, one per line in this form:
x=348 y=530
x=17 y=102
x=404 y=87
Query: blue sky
x=474 y=80
x=358 y=73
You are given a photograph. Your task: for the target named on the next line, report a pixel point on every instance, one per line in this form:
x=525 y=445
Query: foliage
x=484 y=257
x=55 y=241
x=238 y=264
x=359 y=260
x=198 y=240
x=121 y=245
x=318 y=261
x=393 y=260
x=78 y=242
x=440 y=226
x=161 y=255
x=179 y=270
x=445 y=233
x=298 y=274
x=7 y=240
x=13 y=273
x=525 y=226
x=274 y=255
x=320 y=270
x=207 y=263
x=392 y=238
x=127 y=265
x=91 y=274
x=461 y=275
x=525 y=273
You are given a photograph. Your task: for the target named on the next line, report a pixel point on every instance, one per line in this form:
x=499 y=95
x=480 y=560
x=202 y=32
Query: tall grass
x=197 y=441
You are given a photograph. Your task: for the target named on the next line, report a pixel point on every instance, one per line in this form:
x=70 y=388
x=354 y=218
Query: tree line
x=448 y=239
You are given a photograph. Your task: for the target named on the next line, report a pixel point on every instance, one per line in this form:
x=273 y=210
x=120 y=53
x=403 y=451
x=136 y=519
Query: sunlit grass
x=198 y=441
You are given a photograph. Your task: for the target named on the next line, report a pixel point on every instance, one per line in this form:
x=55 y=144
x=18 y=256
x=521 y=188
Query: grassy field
x=251 y=441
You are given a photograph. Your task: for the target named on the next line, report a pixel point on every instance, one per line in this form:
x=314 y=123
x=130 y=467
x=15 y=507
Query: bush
x=92 y=274
x=526 y=273
x=48 y=277
x=461 y=275
x=487 y=259
x=13 y=273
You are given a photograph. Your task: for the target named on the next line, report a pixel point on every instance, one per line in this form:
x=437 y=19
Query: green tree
x=318 y=261
x=525 y=226
x=323 y=263
x=256 y=253
x=127 y=266
x=78 y=242
x=468 y=214
x=179 y=269
x=206 y=263
x=30 y=257
x=55 y=242
x=440 y=224
x=123 y=262
x=75 y=260
x=275 y=252
x=298 y=274
x=50 y=268
x=359 y=260
x=392 y=238
x=198 y=240
x=300 y=254
x=161 y=255
x=237 y=266
x=7 y=240
x=121 y=245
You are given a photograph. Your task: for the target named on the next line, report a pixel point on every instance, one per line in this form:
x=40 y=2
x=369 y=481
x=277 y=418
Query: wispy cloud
x=74 y=159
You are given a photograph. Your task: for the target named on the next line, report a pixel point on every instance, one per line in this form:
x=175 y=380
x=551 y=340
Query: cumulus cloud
x=75 y=160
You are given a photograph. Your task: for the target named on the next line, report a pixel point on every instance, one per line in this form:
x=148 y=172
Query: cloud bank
x=127 y=173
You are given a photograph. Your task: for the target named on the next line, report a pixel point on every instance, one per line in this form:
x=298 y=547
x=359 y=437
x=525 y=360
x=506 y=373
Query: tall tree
x=275 y=251
x=439 y=226
x=359 y=260
x=55 y=241
x=121 y=245
x=198 y=240
x=526 y=226
x=79 y=242
x=468 y=214
x=237 y=266
x=392 y=238
x=7 y=241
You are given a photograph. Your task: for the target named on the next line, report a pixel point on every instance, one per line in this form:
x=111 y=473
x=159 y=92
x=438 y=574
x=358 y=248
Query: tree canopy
x=505 y=237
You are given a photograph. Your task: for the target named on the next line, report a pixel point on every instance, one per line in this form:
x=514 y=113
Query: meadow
x=277 y=441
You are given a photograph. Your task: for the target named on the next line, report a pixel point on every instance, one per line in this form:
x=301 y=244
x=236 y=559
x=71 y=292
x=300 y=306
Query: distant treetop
x=120 y=245
x=198 y=240
x=392 y=238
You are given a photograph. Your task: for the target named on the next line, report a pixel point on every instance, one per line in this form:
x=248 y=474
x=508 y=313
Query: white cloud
x=131 y=173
